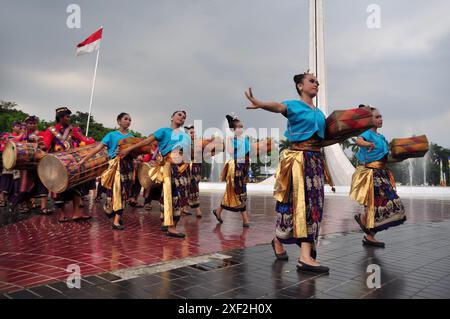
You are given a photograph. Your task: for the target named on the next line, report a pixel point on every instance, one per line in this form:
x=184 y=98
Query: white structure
x=341 y=169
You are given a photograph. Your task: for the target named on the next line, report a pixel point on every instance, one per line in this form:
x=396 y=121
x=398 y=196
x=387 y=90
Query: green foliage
x=9 y=113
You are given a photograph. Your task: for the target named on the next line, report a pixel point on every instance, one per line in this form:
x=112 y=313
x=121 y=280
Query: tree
x=9 y=113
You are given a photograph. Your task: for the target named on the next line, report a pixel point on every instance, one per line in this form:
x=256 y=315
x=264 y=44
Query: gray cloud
x=158 y=56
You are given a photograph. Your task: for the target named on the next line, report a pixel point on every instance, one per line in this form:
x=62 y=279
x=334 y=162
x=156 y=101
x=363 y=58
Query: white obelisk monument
x=341 y=169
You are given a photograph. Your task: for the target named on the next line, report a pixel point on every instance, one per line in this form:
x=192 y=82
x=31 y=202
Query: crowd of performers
x=299 y=180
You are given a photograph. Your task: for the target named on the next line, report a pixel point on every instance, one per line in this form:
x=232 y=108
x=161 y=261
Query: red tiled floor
x=38 y=250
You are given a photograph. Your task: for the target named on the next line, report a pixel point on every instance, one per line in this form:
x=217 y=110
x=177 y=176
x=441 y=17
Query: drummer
x=111 y=142
x=10 y=179
x=62 y=137
x=30 y=184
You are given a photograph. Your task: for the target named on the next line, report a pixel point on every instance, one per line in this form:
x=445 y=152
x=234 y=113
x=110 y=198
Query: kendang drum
x=61 y=171
x=343 y=124
x=21 y=156
x=144 y=178
x=409 y=147
x=129 y=141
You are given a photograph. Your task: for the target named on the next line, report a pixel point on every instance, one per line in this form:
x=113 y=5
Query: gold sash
x=291 y=168
x=162 y=174
x=362 y=188
x=230 y=198
x=111 y=179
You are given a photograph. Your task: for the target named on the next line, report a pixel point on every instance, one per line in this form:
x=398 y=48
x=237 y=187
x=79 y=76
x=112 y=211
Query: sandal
x=301 y=266
x=367 y=242
x=63 y=220
x=46 y=211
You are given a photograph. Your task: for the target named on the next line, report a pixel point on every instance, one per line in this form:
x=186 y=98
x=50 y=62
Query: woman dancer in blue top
x=111 y=142
x=175 y=147
x=235 y=173
x=373 y=185
x=299 y=184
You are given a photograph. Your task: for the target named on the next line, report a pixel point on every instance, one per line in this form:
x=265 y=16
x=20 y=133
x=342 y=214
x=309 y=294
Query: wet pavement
x=35 y=253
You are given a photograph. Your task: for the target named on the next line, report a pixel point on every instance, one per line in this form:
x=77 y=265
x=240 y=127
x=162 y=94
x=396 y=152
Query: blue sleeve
x=365 y=136
x=159 y=134
x=107 y=140
x=288 y=103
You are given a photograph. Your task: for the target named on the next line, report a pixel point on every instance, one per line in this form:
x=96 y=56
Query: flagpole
x=92 y=92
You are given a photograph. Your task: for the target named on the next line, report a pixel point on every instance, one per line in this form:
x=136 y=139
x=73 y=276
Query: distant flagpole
x=91 y=44
x=92 y=93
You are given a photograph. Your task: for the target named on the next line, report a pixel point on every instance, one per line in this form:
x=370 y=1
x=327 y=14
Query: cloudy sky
x=162 y=55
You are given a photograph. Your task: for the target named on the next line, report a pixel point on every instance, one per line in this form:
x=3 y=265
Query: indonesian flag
x=91 y=44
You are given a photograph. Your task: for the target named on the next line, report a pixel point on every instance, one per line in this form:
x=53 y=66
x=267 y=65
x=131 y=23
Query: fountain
x=411 y=169
x=425 y=170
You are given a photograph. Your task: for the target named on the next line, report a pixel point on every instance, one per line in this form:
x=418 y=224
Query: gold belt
x=311 y=145
x=377 y=164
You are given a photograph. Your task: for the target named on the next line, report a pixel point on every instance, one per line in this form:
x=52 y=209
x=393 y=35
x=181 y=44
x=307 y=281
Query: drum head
x=53 y=174
x=9 y=155
x=144 y=179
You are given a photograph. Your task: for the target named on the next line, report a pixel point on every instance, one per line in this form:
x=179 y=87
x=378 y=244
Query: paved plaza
x=223 y=261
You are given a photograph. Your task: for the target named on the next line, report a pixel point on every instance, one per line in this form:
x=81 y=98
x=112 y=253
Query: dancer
x=299 y=185
x=373 y=185
x=195 y=171
x=121 y=188
x=60 y=137
x=235 y=173
x=175 y=147
x=40 y=191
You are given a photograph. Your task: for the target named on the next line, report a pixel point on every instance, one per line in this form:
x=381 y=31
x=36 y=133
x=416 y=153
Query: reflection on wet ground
x=36 y=251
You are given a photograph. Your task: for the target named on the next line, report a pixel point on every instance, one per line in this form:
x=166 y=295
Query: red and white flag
x=91 y=44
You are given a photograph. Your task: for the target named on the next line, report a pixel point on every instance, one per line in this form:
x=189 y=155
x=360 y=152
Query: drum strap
x=63 y=140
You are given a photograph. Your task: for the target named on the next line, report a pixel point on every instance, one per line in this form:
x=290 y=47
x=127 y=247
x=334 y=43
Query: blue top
x=169 y=139
x=111 y=140
x=241 y=147
x=378 y=152
x=303 y=121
